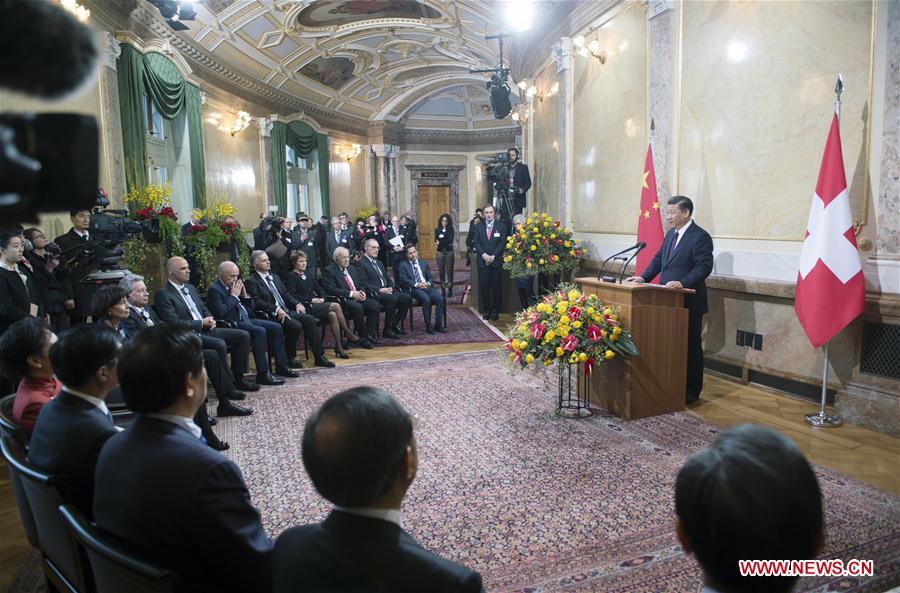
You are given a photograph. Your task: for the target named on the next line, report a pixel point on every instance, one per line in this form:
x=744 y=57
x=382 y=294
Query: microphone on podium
x=617 y=257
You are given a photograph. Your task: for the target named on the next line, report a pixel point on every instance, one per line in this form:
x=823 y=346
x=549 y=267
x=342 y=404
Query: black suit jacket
x=305 y=290
x=348 y=554
x=82 y=293
x=224 y=305
x=395 y=257
x=691 y=263
x=331 y=243
x=171 y=308
x=135 y=323
x=66 y=442
x=182 y=505
x=493 y=246
x=370 y=278
x=17 y=297
x=334 y=284
x=406 y=276
x=310 y=246
x=263 y=299
x=521 y=180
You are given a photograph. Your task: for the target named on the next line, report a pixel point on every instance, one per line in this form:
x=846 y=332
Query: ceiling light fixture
x=80 y=12
x=241 y=121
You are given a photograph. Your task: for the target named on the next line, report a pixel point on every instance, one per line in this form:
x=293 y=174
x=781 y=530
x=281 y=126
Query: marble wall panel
x=757 y=102
x=543 y=160
x=786 y=351
x=234 y=169
x=348 y=183
x=610 y=135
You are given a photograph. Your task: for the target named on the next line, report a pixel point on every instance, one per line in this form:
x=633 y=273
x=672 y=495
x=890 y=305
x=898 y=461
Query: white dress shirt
x=392 y=515
x=191 y=305
x=96 y=401
x=181 y=421
x=680 y=233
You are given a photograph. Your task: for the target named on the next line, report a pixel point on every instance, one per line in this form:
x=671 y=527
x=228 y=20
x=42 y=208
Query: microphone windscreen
x=46 y=52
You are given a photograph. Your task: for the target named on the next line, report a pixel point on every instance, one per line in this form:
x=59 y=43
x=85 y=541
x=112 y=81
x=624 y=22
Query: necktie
x=672 y=245
x=275 y=293
x=122 y=333
x=349 y=280
x=195 y=312
x=245 y=317
x=377 y=269
x=418 y=272
x=490 y=226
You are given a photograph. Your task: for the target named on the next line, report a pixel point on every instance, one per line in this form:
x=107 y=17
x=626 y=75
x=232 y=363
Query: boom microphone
x=46 y=52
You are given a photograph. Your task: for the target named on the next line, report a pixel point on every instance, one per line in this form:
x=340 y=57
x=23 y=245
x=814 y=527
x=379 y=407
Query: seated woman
x=110 y=307
x=311 y=295
x=25 y=362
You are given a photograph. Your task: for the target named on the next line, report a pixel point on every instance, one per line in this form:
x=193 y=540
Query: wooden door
x=433 y=201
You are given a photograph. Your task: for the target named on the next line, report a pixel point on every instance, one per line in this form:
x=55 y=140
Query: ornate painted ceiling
x=379 y=60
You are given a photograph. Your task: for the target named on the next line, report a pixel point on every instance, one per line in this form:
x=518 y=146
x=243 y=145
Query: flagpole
x=820 y=419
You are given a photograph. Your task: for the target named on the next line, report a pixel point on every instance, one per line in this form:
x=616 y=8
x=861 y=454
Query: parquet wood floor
x=858 y=452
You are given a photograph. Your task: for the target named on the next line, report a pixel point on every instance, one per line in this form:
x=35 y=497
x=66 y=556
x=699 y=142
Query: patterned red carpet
x=463 y=326
x=534 y=502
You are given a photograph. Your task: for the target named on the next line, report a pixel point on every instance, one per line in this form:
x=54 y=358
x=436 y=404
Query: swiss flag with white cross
x=830 y=283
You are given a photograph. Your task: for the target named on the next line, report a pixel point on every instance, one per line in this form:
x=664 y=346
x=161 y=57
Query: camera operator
x=519 y=180
x=80 y=255
x=48 y=276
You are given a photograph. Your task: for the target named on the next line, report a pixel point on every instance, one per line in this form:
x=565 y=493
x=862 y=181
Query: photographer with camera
x=81 y=256
x=48 y=276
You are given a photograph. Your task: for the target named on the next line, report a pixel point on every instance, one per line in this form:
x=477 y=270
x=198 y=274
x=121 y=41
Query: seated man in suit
x=73 y=426
x=160 y=489
x=379 y=285
x=179 y=302
x=343 y=281
x=228 y=300
x=415 y=276
x=360 y=453
x=141 y=316
x=750 y=495
x=272 y=297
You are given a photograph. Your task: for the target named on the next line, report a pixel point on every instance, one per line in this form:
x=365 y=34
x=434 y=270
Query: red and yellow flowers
x=541 y=244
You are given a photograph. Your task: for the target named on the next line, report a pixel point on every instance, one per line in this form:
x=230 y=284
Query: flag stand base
x=822 y=420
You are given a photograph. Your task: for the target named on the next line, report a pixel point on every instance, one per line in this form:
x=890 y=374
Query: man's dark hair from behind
x=354 y=445
x=82 y=350
x=683 y=203
x=750 y=495
x=153 y=366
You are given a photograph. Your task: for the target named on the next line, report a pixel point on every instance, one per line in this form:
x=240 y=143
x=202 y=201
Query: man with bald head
x=228 y=300
x=179 y=302
x=344 y=281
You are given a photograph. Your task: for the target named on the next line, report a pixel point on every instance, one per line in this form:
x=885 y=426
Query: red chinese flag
x=649 y=218
x=830 y=283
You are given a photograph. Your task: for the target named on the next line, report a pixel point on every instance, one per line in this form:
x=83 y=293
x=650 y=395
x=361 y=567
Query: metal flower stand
x=573 y=402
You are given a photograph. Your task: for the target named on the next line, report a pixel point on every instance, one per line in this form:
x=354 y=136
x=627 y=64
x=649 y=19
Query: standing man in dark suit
x=272 y=297
x=73 y=426
x=141 y=316
x=342 y=280
x=306 y=239
x=79 y=254
x=684 y=261
x=378 y=285
x=360 y=453
x=179 y=302
x=396 y=252
x=160 y=489
x=337 y=237
x=414 y=276
x=519 y=180
x=490 y=239
x=409 y=229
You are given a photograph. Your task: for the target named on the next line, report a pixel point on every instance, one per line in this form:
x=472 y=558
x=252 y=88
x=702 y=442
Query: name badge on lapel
x=496 y=235
x=310 y=243
x=441 y=236
x=343 y=240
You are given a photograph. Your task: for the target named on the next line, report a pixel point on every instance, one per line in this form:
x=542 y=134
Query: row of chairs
x=76 y=555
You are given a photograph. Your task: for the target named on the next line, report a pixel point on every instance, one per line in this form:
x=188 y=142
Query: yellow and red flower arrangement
x=542 y=244
x=570 y=327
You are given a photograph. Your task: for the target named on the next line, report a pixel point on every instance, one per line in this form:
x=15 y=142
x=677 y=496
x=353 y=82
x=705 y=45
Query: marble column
x=265 y=156
x=562 y=53
x=662 y=29
x=393 y=182
x=112 y=151
x=381 y=178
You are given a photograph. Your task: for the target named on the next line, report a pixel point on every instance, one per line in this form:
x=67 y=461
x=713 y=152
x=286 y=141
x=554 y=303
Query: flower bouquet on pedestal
x=214 y=231
x=575 y=330
x=145 y=253
x=541 y=245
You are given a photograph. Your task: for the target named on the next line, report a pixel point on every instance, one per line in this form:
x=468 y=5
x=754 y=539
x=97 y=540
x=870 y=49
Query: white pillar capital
x=265 y=126
x=111 y=48
x=561 y=53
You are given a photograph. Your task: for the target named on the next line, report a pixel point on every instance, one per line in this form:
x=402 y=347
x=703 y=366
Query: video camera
x=111 y=228
x=498 y=171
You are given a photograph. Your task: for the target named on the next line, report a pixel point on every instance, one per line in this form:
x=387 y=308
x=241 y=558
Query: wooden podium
x=652 y=383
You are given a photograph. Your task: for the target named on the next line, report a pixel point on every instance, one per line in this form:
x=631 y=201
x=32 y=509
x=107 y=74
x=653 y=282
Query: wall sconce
x=80 y=12
x=241 y=121
x=350 y=153
x=591 y=49
x=520 y=114
x=532 y=92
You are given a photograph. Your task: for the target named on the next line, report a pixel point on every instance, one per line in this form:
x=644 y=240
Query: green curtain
x=279 y=170
x=130 y=72
x=304 y=140
x=156 y=75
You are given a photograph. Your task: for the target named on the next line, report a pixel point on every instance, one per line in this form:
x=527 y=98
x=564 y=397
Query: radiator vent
x=880 y=350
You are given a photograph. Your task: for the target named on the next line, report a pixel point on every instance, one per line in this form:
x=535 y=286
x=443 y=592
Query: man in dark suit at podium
x=490 y=239
x=684 y=261
x=360 y=454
